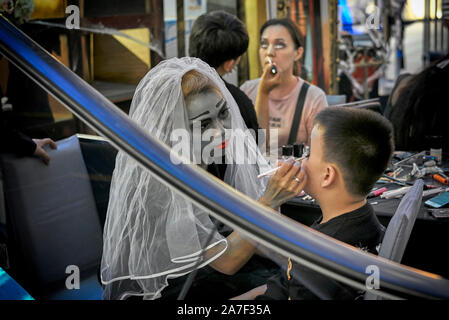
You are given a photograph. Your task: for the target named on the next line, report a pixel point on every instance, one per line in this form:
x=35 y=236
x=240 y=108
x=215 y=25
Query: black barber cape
x=359 y=228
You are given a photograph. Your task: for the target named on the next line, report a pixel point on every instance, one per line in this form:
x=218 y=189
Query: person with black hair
x=220 y=39
x=278 y=95
x=418 y=105
x=14 y=141
x=350 y=149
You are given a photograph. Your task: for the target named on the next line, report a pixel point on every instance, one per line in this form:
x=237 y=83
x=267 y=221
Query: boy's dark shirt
x=359 y=228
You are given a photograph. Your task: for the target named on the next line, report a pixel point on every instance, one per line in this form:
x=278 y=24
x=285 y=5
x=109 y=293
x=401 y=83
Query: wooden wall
x=118 y=59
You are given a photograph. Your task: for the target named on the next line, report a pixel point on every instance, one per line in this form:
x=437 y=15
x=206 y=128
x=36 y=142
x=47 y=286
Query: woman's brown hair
x=194 y=82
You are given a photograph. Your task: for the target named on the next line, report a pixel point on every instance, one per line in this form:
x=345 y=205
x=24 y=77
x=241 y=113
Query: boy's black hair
x=217 y=37
x=360 y=142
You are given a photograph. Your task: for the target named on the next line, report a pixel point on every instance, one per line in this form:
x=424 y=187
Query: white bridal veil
x=153 y=233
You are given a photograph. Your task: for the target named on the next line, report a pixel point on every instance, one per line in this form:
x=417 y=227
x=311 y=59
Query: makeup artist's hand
x=268 y=82
x=284 y=185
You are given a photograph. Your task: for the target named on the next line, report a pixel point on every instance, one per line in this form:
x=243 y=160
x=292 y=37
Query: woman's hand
x=269 y=81
x=284 y=185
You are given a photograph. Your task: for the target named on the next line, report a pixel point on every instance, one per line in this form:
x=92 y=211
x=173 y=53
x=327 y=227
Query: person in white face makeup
x=220 y=39
x=152 y=233
x=276 y=95
x=207 y=110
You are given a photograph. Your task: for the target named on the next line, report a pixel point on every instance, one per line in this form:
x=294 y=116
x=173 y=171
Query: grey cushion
x=52 y=211
x=401 y=224
x=400 y=227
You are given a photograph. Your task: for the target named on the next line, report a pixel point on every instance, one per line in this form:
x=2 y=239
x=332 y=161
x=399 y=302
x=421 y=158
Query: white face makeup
x=209 y=112
x=277 y=45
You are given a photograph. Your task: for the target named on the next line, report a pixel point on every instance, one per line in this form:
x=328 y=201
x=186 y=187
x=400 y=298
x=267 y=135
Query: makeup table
x=429 y=239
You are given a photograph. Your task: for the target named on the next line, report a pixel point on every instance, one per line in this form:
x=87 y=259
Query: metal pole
x=271 y=9
x=180 y=28
x=155 y=9
x=365 y=74
x=399 y=41
x=334 y=41
x=442 y=31
x=426 y=43
x=435 y=25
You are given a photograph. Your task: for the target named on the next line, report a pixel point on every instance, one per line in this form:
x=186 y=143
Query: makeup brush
x=273 y=68
x=273 y=171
